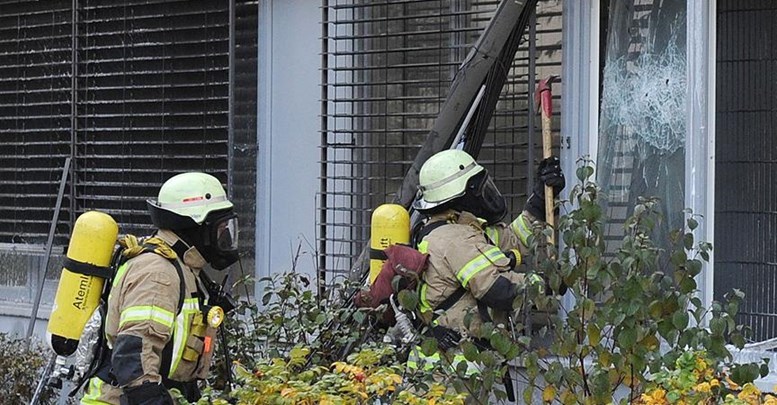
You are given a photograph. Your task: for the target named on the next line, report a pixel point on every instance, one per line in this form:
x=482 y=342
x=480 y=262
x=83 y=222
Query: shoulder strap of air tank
x=422 y=231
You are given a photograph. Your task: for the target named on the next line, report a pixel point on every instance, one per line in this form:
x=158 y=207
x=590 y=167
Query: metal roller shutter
x=134 y=92
x=388 y=66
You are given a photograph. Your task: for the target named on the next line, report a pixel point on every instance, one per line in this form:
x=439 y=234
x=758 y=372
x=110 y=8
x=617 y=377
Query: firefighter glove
x=446 y=338
x=548 y=174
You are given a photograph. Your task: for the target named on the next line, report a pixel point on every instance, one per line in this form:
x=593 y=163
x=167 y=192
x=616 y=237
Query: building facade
x=311 y=113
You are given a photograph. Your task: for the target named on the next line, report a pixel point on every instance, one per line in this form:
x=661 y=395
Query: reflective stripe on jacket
x=143 y=307
x=465 y=254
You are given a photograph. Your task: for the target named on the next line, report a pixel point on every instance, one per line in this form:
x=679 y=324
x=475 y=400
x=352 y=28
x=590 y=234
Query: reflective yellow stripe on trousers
x=93 y=391
x=429 y=363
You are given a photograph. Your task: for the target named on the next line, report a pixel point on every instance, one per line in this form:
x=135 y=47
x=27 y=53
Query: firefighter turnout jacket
x=481 y=259
x=155 y=326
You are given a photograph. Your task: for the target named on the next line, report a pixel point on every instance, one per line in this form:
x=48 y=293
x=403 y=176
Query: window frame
x=580 y=107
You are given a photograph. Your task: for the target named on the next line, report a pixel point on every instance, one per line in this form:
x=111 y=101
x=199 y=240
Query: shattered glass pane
x=643 y=111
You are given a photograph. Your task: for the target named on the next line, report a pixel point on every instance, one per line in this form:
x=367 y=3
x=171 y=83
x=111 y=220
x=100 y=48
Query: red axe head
x=543 y=95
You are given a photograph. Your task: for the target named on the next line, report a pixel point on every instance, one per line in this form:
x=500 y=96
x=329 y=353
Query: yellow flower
x=288 y=392
x=731 y=384
x=549 y=393
x=702 y=387
x=714 y=383
x=655 y=397
x=701 y=364
x=750 y=393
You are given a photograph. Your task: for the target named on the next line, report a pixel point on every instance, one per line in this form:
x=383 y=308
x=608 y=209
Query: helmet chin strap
x=180 y=247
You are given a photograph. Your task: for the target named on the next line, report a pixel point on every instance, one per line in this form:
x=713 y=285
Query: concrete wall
x=20 y=269
x=288 y=137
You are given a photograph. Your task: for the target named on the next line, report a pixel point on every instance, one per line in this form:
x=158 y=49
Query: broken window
x=642 y=111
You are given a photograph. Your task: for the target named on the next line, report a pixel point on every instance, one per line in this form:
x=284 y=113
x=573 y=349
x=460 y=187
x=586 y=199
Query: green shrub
x=635 y=317
x=635 y=311
x=296 y=347
x=20 y=370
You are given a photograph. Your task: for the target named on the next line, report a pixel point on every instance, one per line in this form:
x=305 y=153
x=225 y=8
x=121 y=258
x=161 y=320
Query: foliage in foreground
x=695 y=380
x=20 y=370
x=632 y=335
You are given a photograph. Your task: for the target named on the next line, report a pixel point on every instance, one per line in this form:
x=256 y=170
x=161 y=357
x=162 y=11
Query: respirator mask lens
x=226 y=234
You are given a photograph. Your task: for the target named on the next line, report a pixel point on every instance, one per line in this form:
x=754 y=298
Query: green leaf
x=655 y=309
x=524 y=341
x=594 y=334
x=680 y=320
x=737 y=340
x=529 y=391
x=487 y=358
x=687 y=285
x=688 y=241
x=732 y=308
x=554 y=373
x=470 y=350
x=744 y=373
x=627 y=338
x=692 y=223
x=320 y=319
x=359 y=317
x=408 y=299
x=717 y=326
x=584 y=172
x=764 y=369
x=679 y=257
x=429 y=346
x=461 y=368
x=500 y=343
x=592 y=272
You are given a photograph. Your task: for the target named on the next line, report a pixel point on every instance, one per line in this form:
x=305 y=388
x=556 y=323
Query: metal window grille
x=387 y=68
x=746 y=162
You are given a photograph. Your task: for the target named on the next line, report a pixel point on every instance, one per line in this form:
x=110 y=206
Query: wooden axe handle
x=544 y=97
x=546 y=153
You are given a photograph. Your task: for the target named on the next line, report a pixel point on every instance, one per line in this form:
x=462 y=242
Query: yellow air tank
x=390 y=225
x=81 y=283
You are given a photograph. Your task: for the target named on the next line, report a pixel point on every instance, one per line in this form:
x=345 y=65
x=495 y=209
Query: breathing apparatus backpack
x=395 y=263
x=76 y=327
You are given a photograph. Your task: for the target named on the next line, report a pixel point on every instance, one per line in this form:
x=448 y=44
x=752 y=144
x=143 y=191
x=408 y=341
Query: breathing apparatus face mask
x=483 y=199
x=220 y=248
x=216 y=239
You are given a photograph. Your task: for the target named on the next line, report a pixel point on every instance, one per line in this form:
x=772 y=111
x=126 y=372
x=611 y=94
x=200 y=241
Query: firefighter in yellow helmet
x=473 y=256
x=159 y=326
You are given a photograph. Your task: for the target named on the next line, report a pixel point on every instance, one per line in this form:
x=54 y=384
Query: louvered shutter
x=153 y=100
x=35 y=110
x=388 y=67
